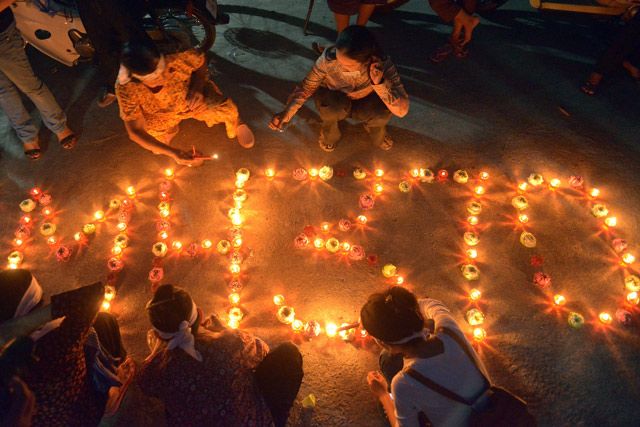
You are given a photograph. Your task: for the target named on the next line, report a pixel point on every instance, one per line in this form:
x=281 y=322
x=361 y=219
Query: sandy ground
x=512 y=108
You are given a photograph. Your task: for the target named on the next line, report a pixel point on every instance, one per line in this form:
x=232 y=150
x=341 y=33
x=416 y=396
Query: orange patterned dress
x=164 y=109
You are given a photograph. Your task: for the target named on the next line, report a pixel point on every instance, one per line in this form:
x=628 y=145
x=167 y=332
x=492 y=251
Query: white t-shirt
x=451 y=369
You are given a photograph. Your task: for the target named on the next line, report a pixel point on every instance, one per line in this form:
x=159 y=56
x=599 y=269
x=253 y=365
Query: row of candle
x=236 y=217
x=599 y=211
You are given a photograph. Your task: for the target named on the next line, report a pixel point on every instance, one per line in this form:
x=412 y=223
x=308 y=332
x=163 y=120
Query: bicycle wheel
x=181 y=30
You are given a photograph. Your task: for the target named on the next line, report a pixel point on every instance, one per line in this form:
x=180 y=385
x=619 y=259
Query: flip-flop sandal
x=325 y=145
x=386 y=143
x=69 y=141
x=441 y=53
x=589 y=88
x=246 y=139
x=33 y=154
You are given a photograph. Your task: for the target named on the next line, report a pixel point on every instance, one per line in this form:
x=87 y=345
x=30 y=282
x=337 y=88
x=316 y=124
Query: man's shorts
x=350 y=7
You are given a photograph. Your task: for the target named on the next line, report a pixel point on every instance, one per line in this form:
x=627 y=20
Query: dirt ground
x=511 y=108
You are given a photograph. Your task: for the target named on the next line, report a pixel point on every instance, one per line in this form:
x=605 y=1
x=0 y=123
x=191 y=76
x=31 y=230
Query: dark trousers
x=334 y=106
x=109 y=24
x=279 y=376
x=108 y=331
x=625 y=46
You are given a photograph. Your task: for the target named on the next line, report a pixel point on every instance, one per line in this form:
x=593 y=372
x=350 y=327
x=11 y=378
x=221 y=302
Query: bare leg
x=342 y=22
x=364 y=13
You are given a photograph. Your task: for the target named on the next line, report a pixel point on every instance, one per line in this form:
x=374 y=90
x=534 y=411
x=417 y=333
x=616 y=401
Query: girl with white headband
x=396 y=319
x=210 y=376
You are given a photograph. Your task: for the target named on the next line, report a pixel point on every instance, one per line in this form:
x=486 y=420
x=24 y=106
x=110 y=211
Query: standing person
x=16 y=73
x=109 y=24
x=624 y=51
x=156 y=92
x=215 y=377
x=396 y=319
x=63 y=378
x=352 y=79
x=461 y=14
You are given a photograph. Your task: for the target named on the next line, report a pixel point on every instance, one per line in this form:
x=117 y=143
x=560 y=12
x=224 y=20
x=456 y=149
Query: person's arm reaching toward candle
x=137 y=133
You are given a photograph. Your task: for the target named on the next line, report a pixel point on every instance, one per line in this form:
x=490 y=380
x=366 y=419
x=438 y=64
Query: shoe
x=126 y=373
x=441 y=53
x=106 y=99
x=33 y=153
x=386 y=143
x=328 y=147
x=246 y=139
x=69 y=140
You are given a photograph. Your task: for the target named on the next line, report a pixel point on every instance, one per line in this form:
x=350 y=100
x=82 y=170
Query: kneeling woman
x=207 y=375
x=396 y=319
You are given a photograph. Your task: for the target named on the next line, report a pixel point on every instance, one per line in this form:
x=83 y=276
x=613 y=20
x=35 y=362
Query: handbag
x=495 y=406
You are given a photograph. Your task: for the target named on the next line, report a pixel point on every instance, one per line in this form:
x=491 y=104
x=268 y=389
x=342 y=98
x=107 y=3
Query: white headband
x=183 y=339
x=420 y=334
x=31 y=298
x=124 y=74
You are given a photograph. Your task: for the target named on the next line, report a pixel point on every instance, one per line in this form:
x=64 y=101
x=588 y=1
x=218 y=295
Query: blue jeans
x=16 y=73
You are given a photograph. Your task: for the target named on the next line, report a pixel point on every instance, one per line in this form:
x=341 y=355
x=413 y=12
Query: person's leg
x=108 y=331
x=364 y=13
x=342 y=11
x=622 y=46
x=19 y=117
x=279 y=376
x=15 y=65
x=390 y=365
x=375 y=115
x=332 y=106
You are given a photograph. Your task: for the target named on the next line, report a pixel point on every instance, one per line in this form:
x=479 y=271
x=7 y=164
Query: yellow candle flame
x=270 y=173
x=605 y=317
x=479 y=334
x=479 y=190
x=331 y=329
x=278 y=299
x=554 y=183
x=98 y=215
x=473 y=220
x=379 y=173
x=523 y=186
x=168 y=173
x=234 y=298
x=474 y=294
x=611 y=221
x=628 y=258
x=131 y=191
x=484 y=175
x=559 y=299
x=633 y=298
x=362 y=219
x=594 y=192
x=472 y=253
x=523 y=218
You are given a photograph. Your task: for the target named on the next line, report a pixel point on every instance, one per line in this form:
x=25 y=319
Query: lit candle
x=52 y=240
x=207 y=244
x=109 y=293
x=18 y=242
x=122 y=226
x=164 y=196
x=378 y=188
x=474 y=294
x=77 y=236
x=362 y=219
x=479 y=190
x=106 y=306
x=243 y=175
x=554 y=183
x=278 y=299
x=523 y=186
x=116 y=250
x=628 y=258
x=99 y=216
x=35 y=193
x=15 y=259
x=163 y=235
x=484 y=175
x=415 y=173
x=237 y=241
x=131 y=192
x=325 y=226
x=237 y=219
x=399 y=280
x=611 y=221
x=331 y=329
x=443 y=175
x=345 y=247
x=473 y=220
x=605 y=317
x=164 y=213
x=233 y=323
x=176 y=245
x=559 y=299
x=169 y=173
x=25 y=219
x=313 y=173
x=594 y=192
x=234 y=298
x=269 y=173
x=297 y=325
x=472 y=253
x=379 y=173
x=633 y=298
x=523 y=218
x=318 y=243
x=479 y=334
x=46 y=212
x=234 y=269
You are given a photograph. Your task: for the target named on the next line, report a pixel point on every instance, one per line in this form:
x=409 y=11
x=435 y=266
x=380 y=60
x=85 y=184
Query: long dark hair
x=392 y=315
x=359 y=44
x=170 y=306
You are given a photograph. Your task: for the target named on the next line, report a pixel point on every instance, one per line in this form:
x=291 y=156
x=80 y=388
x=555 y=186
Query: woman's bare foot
x=32 y=149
